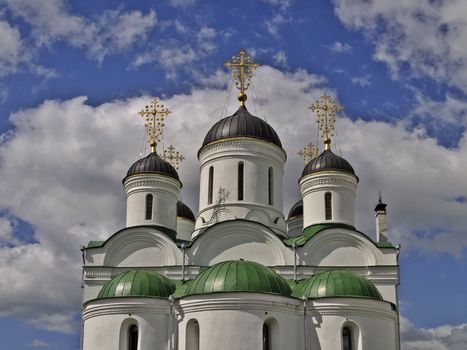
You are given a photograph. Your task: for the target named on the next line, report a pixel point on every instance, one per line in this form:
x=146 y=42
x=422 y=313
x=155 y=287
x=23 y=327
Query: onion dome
x=328 y=161
x=152 y=164
x=242 y=124
x=296 y=210
x=183 y=211
x=137 y=283
x=339 y=283
x=239 y=276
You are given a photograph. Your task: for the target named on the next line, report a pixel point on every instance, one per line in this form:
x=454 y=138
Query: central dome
x=242 y=124
x=152 y=164
x=327 y=161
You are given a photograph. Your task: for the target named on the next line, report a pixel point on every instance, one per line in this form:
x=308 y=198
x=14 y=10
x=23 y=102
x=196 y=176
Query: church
x=241 y=275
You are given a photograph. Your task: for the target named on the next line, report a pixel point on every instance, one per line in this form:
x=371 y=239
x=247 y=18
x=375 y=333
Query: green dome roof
x=239 y=276
x=337 y=283
x=137 y=283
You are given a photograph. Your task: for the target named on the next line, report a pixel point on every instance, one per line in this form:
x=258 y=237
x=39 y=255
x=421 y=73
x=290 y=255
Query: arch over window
x=241 y=179
x=270 y=186
x=133 y=337
x=328 y=205
x=192 y=335
x=210 y=184
x=149 y=200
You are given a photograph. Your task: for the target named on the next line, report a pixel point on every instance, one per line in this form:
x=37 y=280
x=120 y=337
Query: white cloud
x=419 y=38
x=37 y=343
x=274 y=24
x=113 y=31
x=13 y=51
x=440 y=338
x=182 y=3
x=71 y=183
x=339 y=47
x=280 y=58
x=6 y=232
x=363 y=80
x=280 y=3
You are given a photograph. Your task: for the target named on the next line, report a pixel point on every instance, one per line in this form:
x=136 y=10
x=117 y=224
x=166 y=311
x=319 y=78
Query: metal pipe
x=305 y=323
x=183 y=262
x=294 y=246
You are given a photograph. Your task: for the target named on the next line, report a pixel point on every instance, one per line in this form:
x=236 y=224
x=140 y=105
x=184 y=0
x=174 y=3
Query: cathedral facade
x=240 y=275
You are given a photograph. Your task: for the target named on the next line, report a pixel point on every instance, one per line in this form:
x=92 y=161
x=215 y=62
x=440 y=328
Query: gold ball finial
x=327 y=143
x=242 y=97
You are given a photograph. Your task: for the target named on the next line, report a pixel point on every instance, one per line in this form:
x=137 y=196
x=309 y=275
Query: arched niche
x=238 y=240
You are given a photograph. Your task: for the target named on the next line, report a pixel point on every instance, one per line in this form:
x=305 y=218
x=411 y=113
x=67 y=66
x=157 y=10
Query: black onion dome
x=183 y=211
x=153 y=164
x=296 y=210
x=242 y=124
x=328 y=161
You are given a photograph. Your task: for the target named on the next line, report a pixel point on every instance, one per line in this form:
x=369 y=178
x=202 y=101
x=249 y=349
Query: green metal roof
x=384 y=245
x=337 y=283
x=238 y=276
x=137 y=283
x=312 y=230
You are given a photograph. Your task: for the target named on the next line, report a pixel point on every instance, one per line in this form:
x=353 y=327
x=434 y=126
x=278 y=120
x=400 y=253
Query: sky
x=74 y=74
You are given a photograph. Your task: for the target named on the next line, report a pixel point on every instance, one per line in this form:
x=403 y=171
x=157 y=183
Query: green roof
x=137 y=283
x=312 y=230
x=384 y=245
x=338 y=283
x=238 y=276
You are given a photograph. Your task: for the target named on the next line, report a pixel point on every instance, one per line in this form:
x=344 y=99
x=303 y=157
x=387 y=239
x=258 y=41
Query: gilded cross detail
x=326 y=109
x=154 y=115
x=242 y=70
x=173 y=156
x=308 y=152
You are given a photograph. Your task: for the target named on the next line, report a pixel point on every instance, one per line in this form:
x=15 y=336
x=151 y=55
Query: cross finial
x=325 y=109
x=173 y=156
x=308 y=152
x=154 y=115
x=242 y=70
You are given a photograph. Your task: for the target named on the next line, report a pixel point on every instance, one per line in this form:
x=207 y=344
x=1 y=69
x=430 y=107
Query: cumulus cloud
x=416 y=38
x=13 y=51
x=37 y=343
x=112 y=31
x=339 y=47
x=363 y=80
x=280 y=58
x=440 y=338
x=71 y=192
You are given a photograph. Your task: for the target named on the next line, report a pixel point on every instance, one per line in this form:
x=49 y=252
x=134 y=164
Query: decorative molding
x=134 y=184
x=349 y=311
x=142 y=307
x=311 y=182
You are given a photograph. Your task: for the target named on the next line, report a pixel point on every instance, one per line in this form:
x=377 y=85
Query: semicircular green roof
x=338 y=283
x=137 y=283
x=239 y=276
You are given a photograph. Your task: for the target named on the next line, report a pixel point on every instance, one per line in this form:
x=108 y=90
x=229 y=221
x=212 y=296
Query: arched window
x=210 y=184
x=346 y=338
x=270 y=186
x=133 y=337
x=149 y=200
x=328 y=205
x=241 y=175
x=192 y=335
x=266 y=337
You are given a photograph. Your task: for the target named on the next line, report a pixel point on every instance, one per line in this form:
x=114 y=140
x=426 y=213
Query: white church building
x=241 y=275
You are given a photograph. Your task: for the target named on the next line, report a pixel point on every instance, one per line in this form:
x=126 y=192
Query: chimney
x=381 y=222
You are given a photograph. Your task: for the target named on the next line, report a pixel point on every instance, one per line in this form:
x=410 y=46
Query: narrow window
x=192 y=335
x=240 y=180
x=210 y=184
x=346 y=339
x=148 y=206
x=270 y=186
x=328 y=205
x=133 y=338
x=266 y=337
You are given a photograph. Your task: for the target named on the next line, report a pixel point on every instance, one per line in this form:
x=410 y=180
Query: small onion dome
x=296 y=210
x=183 y=211
x=242 y=124
x=152 y=164
x=137 y=283
x=338 y=283
x=239 y=276
x=327 y=161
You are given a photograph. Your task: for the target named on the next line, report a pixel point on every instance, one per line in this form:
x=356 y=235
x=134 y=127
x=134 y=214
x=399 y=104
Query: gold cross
x=154 y=115
x=308 y=152
x=173 y=156
x=325 y=110
x=242 y=70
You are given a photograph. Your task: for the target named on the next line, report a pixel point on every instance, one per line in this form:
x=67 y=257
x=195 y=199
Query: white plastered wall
x=257 y=156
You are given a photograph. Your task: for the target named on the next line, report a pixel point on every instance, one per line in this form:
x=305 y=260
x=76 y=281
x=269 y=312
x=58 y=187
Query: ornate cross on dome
x=242 y=70
x=308 y=152
x=173 y=156
x=154 y=115
x=325 y=109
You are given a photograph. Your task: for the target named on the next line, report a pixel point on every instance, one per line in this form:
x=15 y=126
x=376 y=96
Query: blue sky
x=73 y=74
